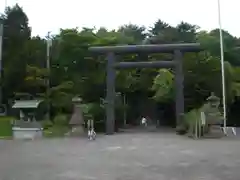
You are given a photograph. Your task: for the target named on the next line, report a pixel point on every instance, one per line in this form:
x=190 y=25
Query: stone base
x=26 y=133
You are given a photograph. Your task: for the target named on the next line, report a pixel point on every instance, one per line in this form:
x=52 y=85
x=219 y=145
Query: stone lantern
x=213 y=116
x=77 y=121
x=213 y=100
x=212 y=112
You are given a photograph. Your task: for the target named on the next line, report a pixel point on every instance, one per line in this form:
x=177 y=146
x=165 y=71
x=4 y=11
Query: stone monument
x=77 y=121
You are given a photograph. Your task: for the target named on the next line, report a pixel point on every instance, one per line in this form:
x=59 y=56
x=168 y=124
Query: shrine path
x=127 y=156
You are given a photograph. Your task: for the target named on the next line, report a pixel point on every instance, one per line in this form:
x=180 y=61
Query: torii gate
x=176 y=49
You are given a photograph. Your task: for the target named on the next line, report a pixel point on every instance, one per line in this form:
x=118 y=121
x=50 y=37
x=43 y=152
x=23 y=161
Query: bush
x=46 y=124
x=56 y=131
x=61 y=120
x=192 y=117
x=190 y=120
x=96 y=112
x=58 y=128
x=6 y=126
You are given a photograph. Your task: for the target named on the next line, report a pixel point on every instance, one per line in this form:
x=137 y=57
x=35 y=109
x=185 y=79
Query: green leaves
x=163 y=85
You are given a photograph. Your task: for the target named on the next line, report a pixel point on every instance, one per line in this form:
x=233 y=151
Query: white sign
x=203 y=118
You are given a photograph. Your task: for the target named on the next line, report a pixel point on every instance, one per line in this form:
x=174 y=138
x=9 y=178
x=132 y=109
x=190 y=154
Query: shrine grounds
x=124 y=156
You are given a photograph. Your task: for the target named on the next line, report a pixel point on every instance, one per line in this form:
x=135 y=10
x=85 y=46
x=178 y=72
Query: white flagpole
x=48 y=66
x=222 y=64
x=1 y=52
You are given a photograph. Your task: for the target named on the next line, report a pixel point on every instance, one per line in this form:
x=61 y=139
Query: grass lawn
x=5 y=127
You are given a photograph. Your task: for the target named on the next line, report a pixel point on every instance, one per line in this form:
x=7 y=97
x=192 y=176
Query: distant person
x=144 y=121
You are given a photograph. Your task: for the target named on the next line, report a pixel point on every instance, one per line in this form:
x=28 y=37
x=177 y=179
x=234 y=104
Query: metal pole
x=49 y=44
x=1 y=50
x=222 y=65
x=48 y=60
x=124 y=112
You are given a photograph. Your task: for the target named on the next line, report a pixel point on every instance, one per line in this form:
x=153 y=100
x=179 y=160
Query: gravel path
x=127 y=156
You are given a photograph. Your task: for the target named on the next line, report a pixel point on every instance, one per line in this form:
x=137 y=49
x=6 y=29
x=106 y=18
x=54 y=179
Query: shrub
x=6 y=126
x=56 y=131
x=192 y=117
x=190 y=120
x=61 y=120
x=46 y=124
x=96 y=112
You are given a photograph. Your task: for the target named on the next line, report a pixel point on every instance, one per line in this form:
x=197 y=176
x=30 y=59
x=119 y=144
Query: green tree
x=136 y=32
x=17 y=33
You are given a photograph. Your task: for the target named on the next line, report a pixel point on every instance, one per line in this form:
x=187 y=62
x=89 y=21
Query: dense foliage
x=74 y=71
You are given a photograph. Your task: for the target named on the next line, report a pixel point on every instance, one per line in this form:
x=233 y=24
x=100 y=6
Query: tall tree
x=187 y=32
x=17 y=33
x=131 y=30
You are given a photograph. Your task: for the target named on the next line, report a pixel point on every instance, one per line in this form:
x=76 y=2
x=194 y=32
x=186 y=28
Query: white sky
x=50 y=15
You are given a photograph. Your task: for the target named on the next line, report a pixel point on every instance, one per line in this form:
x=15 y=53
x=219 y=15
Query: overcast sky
x=50 y=15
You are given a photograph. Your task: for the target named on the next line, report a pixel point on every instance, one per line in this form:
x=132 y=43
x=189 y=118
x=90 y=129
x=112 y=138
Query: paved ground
x=134 y=156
